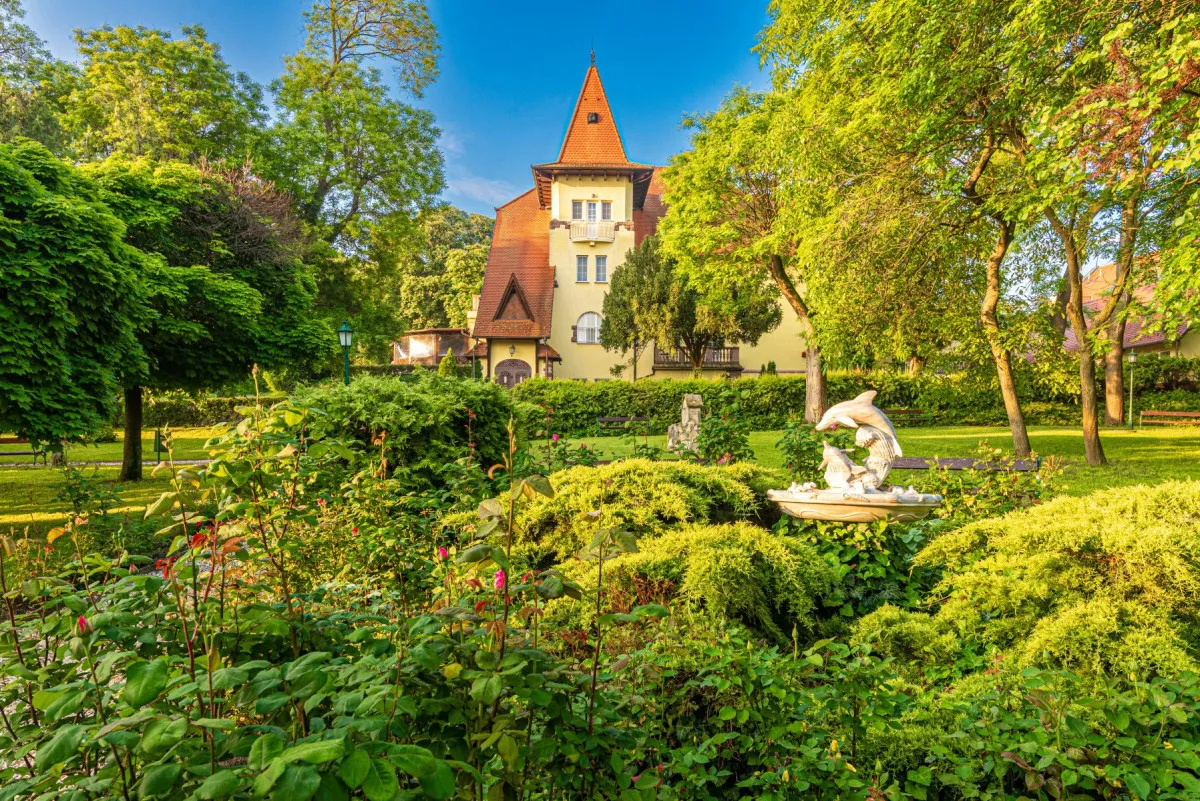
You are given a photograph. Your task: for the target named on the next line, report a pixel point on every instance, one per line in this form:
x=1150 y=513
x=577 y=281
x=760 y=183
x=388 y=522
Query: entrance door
x=511 y=372
x=591 y=219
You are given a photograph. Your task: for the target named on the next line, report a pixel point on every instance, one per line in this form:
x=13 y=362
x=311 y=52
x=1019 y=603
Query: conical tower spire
x=592 y=136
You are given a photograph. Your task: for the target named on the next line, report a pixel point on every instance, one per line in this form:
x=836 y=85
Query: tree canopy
x=72 y=299
x=649 y=299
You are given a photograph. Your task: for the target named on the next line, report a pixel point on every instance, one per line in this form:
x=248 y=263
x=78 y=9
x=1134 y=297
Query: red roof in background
x=596 y=142
x=521 y=250
x=1134 y=338
x=646 y=218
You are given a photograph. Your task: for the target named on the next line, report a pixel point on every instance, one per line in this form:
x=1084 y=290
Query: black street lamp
x=345 y=338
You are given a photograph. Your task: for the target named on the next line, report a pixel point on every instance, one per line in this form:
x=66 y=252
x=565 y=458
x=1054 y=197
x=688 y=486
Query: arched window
x=587 y=330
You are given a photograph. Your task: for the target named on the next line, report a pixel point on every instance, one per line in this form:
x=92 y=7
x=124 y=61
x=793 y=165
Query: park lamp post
x=1132 y=362
x=345 y=337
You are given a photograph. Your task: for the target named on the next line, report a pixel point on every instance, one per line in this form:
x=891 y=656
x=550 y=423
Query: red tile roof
x=652 y=209
x=520 y=251
x=592 y=142
x=1134 y=338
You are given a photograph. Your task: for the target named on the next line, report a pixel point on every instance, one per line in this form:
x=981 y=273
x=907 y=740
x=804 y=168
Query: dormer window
x=593 y=118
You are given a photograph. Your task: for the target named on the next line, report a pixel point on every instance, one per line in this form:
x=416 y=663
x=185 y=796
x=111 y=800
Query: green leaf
x=486 y=689
x=380 y=783
x=267 y=779
x=331 y=789
x=162 y=505
x=440 y=783
x=265 y=749
x=1137 y=782
x=159 y=779
x=298 y=783
x=354 y=768
x=651 y=610
x=507 y=747
x=229 y=678
x=61 y=747
x=1118 y=718
x=315 y=753
x=541 y=484
x=550 y=588
x=476 y=553
x=646 y=781
x=163 y=734
x=219 y=785
x=66 y=704
x=144 y=681
x=727 y=713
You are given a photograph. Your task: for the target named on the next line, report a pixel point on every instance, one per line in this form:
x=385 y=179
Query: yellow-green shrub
x=1107 y=583
x=736 y=571
x=644 y=497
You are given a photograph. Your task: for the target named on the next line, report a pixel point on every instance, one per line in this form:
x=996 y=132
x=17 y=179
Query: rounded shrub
x=736 y=571
x=645 y=497
x=1104 y=584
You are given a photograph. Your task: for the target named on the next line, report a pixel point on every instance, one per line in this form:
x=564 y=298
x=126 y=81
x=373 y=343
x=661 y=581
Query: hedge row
x=769 y=401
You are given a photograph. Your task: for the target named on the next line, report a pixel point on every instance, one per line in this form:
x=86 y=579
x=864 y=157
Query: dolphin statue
x=859 y=411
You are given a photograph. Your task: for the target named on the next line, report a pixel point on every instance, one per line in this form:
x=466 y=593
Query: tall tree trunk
x=1092 y=448
x=131 y=464
x=814 y=376
x=1000 y=354
x=1114 y=376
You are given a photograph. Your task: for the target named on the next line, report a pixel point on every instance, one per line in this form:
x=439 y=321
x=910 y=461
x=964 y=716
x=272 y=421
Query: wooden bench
x=36 y=453
x=1153 y=418
x=967 y=463
x=621 y=424
x=899 y=416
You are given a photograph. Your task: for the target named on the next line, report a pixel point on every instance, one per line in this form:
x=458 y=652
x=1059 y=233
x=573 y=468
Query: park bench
x=901 y=416
x=964 y=463
x=1170 y=418
x=604 y=424
x=36 y=453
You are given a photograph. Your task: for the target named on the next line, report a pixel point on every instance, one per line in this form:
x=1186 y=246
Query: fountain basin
x=851 y=506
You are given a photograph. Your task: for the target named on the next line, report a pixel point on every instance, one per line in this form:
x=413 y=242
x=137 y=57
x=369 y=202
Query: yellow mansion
x=554 y=249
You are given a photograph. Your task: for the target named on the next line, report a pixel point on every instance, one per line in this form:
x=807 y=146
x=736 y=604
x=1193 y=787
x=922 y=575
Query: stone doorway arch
x=511 y=372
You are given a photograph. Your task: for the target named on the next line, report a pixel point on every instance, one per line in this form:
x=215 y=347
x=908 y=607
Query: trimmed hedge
x=183 y=410
x=769 y=401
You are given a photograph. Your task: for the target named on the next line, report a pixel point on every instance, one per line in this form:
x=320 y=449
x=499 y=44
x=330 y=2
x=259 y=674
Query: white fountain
x=856 y=493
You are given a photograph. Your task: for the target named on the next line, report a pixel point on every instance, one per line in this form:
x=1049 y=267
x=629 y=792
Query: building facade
x=555 y=247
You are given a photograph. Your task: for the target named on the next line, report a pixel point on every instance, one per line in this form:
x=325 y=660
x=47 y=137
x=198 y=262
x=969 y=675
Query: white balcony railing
x=600 y=231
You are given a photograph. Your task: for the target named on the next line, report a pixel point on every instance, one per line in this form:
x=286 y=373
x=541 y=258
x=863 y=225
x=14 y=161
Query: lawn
x=1149 y=456
x=1145 y=456
x=28 y=493
x=188 y=442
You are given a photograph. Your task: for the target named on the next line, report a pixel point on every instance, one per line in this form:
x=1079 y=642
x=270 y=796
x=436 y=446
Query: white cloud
x=484 y=190
x=451 y=142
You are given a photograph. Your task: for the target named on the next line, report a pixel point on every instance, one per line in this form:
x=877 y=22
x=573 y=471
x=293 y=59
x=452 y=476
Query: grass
x=28 y=497
x=1145 y=456
x=189 y=444
x=1148 y=456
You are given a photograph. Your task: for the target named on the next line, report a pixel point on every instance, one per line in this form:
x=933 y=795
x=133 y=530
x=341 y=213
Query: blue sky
x=510 y=71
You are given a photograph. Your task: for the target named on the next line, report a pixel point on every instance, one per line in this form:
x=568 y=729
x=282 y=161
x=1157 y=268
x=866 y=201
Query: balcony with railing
x=598 y=231
x=714 y=359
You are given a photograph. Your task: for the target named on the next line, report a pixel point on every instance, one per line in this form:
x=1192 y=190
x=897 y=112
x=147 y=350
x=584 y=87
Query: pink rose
x=82 y=624
x=554 y=437
x=499 y=579
x=442 y=553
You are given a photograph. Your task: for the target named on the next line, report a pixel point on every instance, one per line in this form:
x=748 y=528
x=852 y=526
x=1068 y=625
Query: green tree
x=70 y=299
x=732 y=213
x=143 y=93
x=655 y=301
x=224 y=279
x=442 y=267
x=349 y=153
x=30 y=82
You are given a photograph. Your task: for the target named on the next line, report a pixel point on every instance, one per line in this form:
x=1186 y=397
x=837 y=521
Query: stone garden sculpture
x=682 y=436
x=856 y=493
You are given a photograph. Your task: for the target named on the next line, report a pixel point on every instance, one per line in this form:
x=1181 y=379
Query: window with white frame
x=581 y=272
x=576 y=209
x=606 y=209
x=587 y=331
x=602 y=269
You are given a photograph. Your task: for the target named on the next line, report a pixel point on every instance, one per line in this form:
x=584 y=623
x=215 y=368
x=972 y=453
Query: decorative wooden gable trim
x=513 y=305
